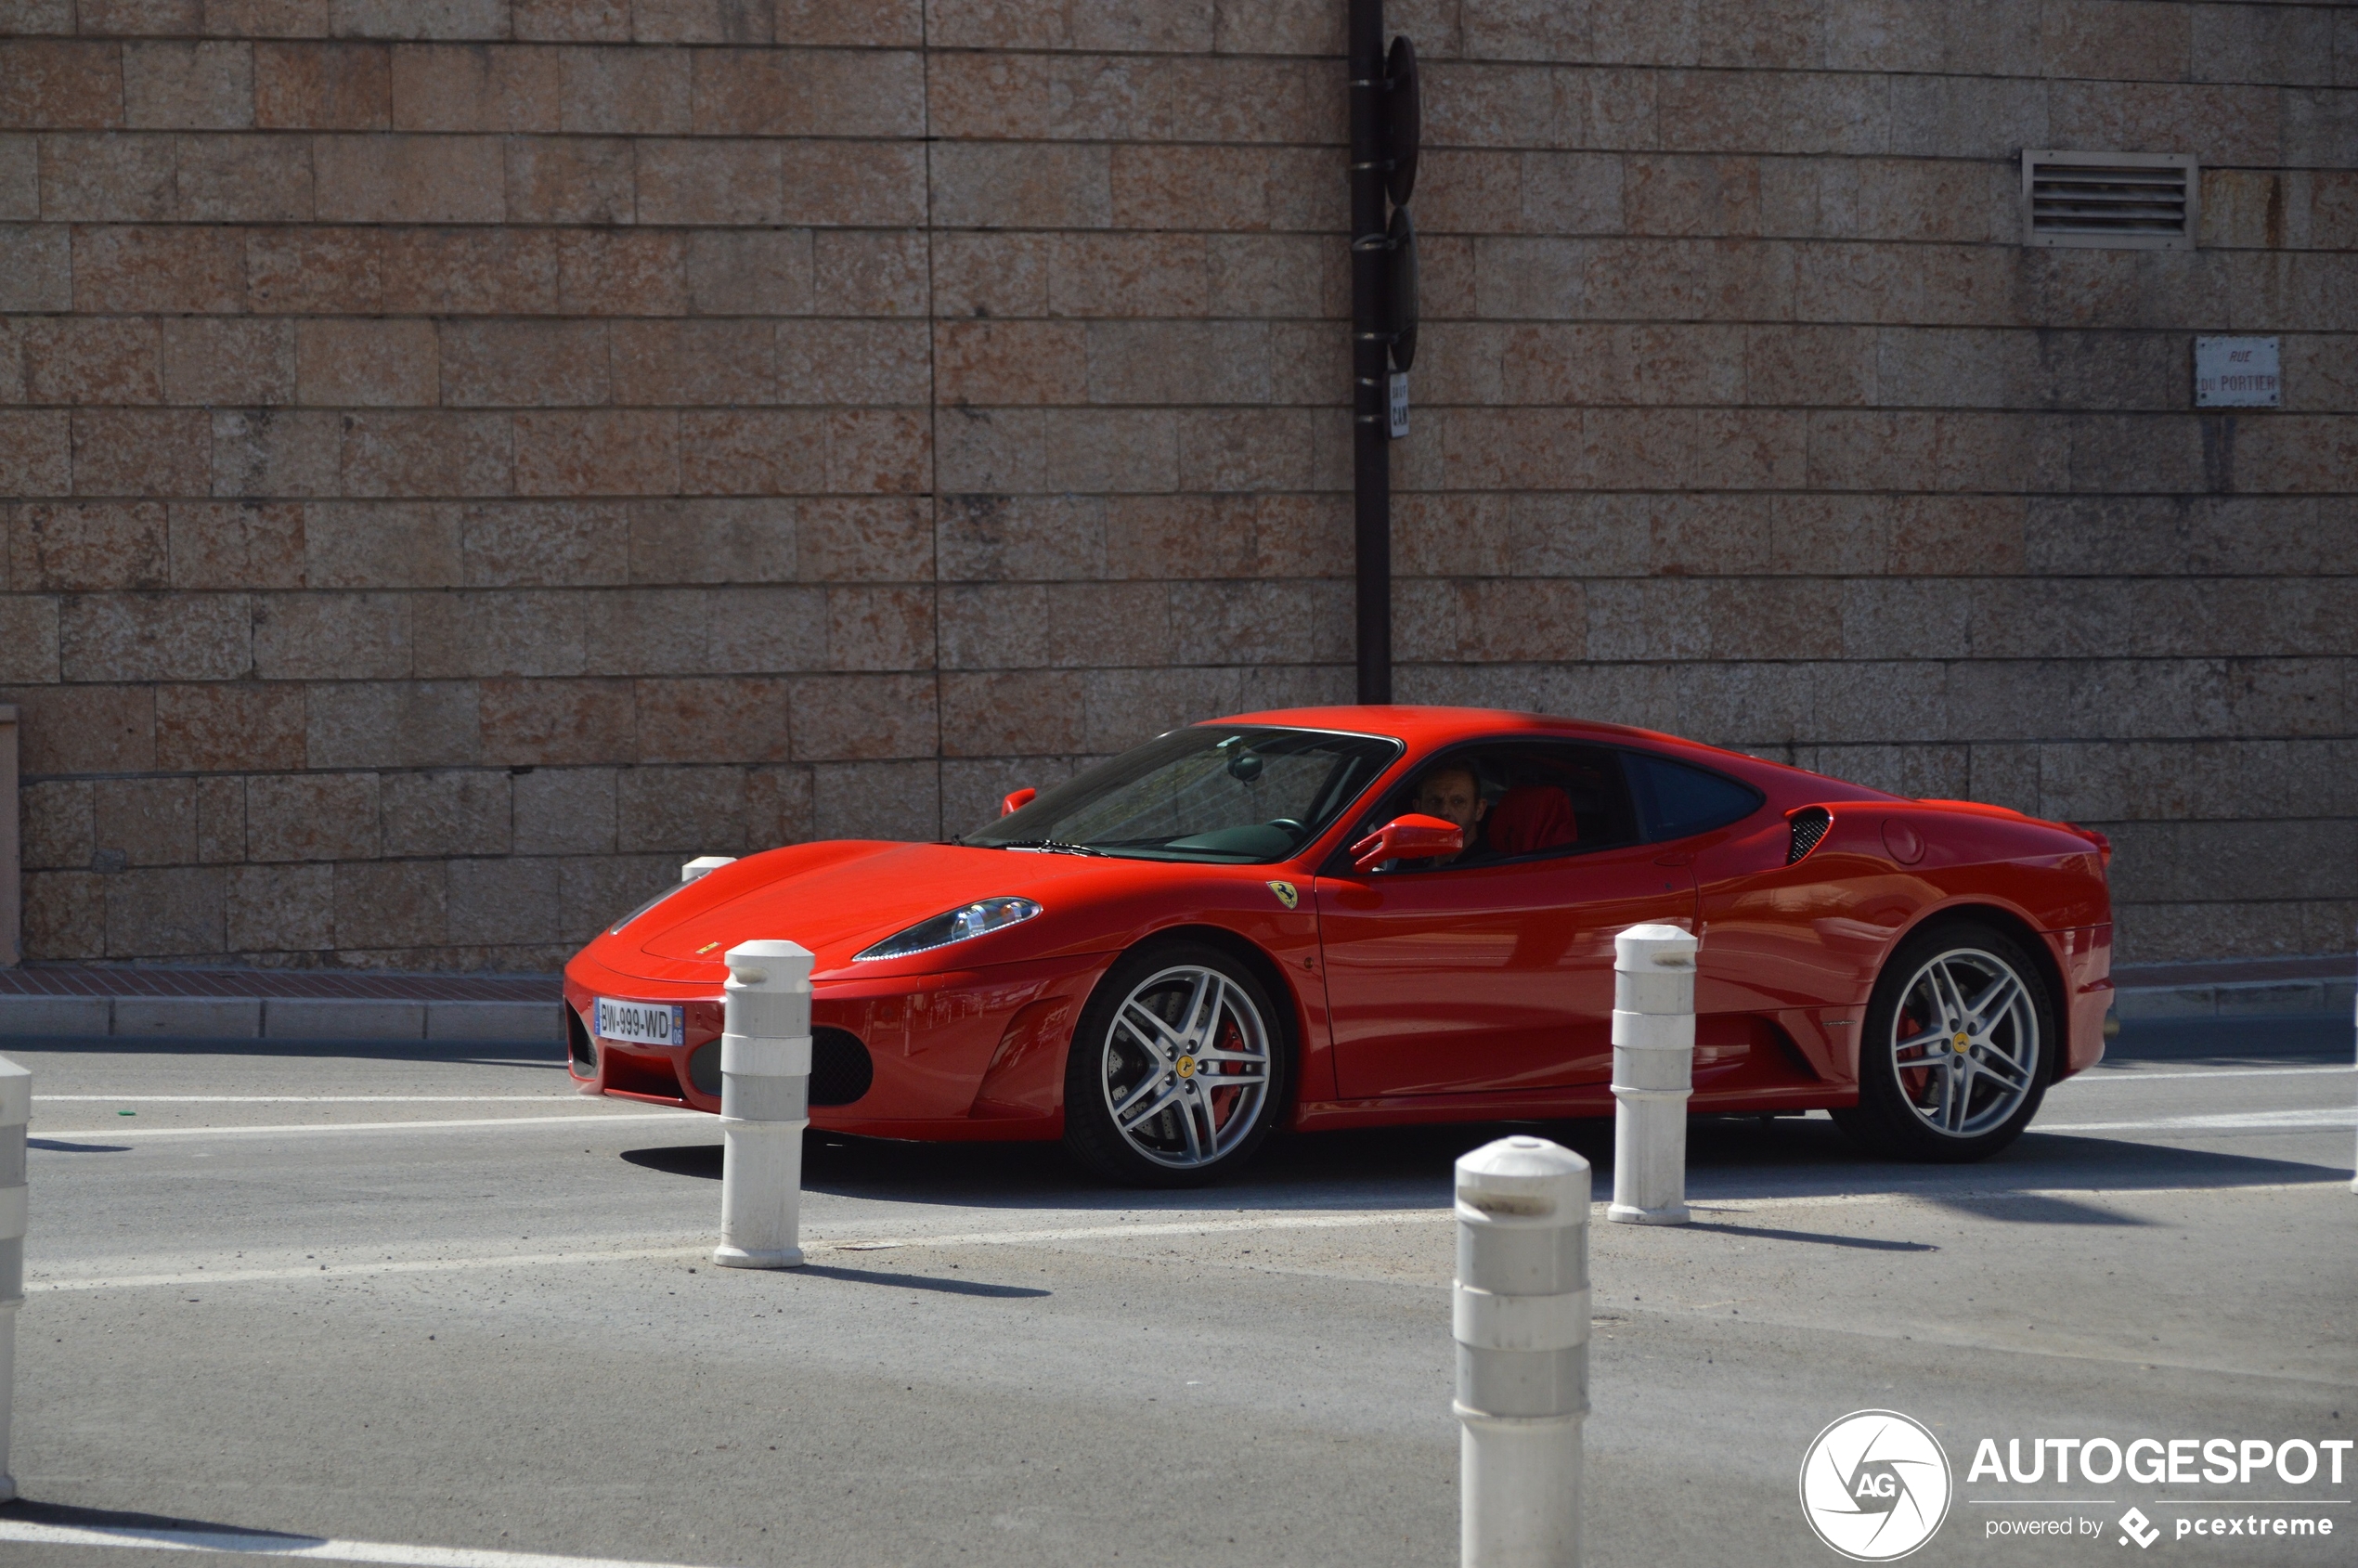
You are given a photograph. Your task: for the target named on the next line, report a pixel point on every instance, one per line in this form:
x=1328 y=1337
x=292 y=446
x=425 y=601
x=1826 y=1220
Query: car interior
x=1543 y=800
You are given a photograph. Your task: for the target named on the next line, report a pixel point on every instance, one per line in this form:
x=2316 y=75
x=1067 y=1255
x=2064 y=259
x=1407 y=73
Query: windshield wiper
x=1051 y=847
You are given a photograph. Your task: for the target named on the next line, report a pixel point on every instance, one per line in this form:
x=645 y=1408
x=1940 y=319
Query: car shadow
x=1728 y=1158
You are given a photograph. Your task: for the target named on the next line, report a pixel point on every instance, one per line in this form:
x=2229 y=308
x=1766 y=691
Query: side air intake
x=841 y=1069
x=1809 y=826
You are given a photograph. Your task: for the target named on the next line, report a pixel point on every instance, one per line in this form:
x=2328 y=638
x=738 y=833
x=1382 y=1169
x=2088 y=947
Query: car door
x=1494 y=975
x=1764 y=959
x=1793 y=930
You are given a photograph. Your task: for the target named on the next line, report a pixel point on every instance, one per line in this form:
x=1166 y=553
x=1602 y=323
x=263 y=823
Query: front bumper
x=975 y=1053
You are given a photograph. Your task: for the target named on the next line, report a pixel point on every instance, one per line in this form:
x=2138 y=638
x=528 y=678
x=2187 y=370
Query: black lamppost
x=1383 y=314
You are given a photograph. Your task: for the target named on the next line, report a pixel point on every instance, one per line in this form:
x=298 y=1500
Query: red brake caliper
x=1912 y=1081
x=1223 y=1101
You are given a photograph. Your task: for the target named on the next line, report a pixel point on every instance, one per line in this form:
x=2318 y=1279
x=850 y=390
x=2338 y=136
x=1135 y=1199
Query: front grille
x=577 y=1042
x=1809 y=826
x=642 y=1075
x=841 y=1069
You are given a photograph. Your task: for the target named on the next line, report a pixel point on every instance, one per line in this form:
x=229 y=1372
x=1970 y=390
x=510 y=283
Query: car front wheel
x=1955 y=1056
x=1178 y=1068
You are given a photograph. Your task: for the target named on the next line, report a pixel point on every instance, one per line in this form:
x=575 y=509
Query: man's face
x=1452 y=794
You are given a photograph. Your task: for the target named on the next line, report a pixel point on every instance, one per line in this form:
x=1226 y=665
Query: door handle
x=1682 y=856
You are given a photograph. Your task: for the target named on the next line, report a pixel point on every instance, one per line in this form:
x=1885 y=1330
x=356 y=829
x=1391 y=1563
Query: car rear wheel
x=1178 y=1068
x=1955 y=1056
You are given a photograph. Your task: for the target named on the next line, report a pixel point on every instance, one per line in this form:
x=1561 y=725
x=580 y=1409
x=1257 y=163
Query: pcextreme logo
x=1874 y=1486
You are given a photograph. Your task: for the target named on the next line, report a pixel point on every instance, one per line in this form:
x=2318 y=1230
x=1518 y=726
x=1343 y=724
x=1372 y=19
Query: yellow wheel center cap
x=1186 y=1067
x=1959 y=1042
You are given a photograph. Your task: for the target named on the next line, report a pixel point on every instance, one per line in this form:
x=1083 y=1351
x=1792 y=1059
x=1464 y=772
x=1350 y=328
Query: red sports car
x=1353 y=916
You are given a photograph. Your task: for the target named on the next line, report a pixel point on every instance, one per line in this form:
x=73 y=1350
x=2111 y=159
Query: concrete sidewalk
x=86 y=1001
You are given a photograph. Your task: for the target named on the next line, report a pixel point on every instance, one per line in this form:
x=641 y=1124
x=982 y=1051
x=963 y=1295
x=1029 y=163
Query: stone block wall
x=461 y=458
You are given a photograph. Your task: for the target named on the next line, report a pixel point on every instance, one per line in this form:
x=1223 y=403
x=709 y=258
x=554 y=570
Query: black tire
x=1136 y=1110
x=1960 y=980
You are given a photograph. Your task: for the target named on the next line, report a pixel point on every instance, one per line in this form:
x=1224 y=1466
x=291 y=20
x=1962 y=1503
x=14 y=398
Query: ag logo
x=1874 y=1486
x=1286 y=894
x=2140 y=1528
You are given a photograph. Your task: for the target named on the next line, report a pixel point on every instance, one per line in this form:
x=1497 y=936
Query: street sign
x=1399 y=427
x=2238 y=373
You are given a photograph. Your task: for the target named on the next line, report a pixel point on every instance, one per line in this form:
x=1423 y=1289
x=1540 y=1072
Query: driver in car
x=1453 y=794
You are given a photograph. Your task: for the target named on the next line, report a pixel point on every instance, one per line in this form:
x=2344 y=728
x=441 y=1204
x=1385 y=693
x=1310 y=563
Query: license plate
x=641 y=1023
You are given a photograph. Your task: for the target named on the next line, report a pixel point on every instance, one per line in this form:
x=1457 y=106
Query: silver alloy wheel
x=1185 y=1067
x=1965 y=1043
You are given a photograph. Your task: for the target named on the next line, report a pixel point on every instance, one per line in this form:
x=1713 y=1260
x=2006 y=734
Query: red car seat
x=1532 y=817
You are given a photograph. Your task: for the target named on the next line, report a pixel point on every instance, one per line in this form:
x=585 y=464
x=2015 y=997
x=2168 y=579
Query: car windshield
x=1238 y=792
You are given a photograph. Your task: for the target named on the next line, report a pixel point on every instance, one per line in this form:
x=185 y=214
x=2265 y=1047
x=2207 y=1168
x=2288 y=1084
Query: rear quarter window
x=1680 y=801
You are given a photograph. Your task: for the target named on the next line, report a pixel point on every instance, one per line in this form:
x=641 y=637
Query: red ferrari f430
x=1355 y=916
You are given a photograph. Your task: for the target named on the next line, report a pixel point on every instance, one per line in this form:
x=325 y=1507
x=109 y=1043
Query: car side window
x=1681 y=801
x=1515 y=801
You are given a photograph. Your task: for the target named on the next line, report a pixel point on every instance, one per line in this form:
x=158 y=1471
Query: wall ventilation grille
x=2116 y=201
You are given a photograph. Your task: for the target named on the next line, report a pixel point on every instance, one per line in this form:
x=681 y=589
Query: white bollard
x=16 y=1109
x=1653 y=1073
x=1519 y=1315
x=703 y=863
x=765 y=1104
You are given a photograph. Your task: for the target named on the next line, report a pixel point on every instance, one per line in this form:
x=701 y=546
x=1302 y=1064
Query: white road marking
x=1991 y=1195
x=331 y=1272
x=2130 y=1075
x=576 y=1119
x=2221 y=1121
x=318 y=1548
x=319 y=1274
x=334 y=1272
x=296 y=1100
x=1179 y=1228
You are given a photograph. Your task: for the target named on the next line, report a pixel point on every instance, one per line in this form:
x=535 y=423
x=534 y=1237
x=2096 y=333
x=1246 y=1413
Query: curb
x=277 y=1018
x=2241 y=998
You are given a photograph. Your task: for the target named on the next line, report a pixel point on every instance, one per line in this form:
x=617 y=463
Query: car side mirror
x=1412 y=837
x=1017 y=802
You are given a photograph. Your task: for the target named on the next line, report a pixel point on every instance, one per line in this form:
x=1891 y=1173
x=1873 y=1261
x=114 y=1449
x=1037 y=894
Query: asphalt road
x=429 y=1297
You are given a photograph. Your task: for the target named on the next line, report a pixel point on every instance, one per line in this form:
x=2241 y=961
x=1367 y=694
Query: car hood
x=839 y=898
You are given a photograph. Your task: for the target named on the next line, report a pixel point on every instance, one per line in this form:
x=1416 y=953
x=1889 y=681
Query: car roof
x=1420 y=726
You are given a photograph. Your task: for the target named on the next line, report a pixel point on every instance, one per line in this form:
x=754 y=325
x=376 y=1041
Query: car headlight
x=648 y=905
x=973 y=920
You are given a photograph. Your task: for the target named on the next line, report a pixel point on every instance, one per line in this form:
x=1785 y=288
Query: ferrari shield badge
x=1286 y=894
